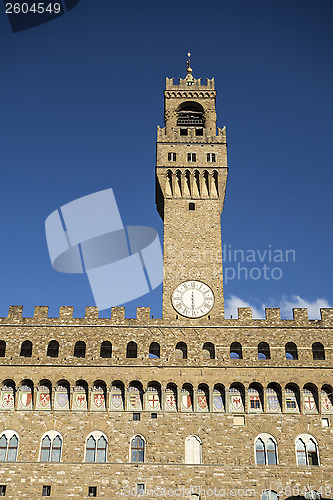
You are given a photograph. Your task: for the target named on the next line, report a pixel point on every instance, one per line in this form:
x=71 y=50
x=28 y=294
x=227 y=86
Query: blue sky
x=82 y=96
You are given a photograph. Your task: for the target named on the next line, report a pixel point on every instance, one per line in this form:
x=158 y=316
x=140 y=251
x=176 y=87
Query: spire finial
x=189 y=77
x=189 y=70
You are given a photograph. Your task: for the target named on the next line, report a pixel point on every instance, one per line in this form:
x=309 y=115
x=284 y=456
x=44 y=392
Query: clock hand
x=192 y=300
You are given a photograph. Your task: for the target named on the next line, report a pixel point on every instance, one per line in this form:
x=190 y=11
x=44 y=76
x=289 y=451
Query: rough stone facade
x=210 y=379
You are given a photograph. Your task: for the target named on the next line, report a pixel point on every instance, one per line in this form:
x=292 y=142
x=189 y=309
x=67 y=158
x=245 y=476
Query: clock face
x=193 y=299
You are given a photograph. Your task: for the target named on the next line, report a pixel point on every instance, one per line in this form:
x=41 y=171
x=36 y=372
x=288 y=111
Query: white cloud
x=232 y=304
x=297 y=301
x=285 y=304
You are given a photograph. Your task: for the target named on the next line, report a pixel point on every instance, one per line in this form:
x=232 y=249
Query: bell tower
x=191 y=176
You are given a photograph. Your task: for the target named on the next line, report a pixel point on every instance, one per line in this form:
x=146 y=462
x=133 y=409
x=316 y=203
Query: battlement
x=183 y=84
x=175 y=137
x=143 y=317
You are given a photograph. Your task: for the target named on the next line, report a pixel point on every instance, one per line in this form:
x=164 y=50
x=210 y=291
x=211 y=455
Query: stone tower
x=191 y=176
x=191 y=405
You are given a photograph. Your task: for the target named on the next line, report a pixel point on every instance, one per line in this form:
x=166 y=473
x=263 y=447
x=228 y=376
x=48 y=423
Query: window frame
x=9 y=434
x=211 y=157
x=52 y=436
x=306 y=438
x=192 y=157
x=144 y=448
x=96 y=435
x=264 y=437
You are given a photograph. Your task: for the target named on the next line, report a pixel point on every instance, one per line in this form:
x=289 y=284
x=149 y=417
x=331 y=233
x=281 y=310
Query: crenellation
x=41 y=312
x=91 y=313
x=300 y=315
x=66 y=313
x=15 y=313
x=327 y=316
x=143 y=314
x=273 y=314
x=118 y=315
x=244 y=313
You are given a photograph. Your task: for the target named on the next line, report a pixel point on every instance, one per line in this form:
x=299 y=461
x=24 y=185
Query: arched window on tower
x=209 y=347
x=53 y=349
x=291 y=351
x=236 y=351
x=132 y=350
x=106 y=349
x=318 y=350
x=26 y=349
x=2 y=348
x=154 y=350
x=80 y=349
x=264 y=351
x=181 y=348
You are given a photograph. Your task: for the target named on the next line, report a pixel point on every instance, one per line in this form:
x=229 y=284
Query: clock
x=193 y=299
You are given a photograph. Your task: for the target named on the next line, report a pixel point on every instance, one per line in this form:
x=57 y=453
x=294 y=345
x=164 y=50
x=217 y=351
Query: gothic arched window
x=96 y=446
x=8 y=446
x=137 y=449
x=51 y=447
x=306 y=450
x=266 y=450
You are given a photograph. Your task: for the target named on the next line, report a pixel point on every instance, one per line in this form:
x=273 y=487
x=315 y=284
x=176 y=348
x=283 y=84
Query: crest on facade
x=117 y=400
x=62 y=399
x=171 y=401
x=255 y=402
x=8 y=400
x=309 y=402
x=218 y=402
x=80 y=401
x=186 y=401
x=154 y=401
x=236 y=402
x=44 y=399
x=326 y=403
x=202 y=401
x=98 y=400
x=135 y=400
x=273 y=402
x=25 y=399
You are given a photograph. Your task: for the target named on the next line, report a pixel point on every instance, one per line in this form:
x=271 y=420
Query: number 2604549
x=35 y=8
